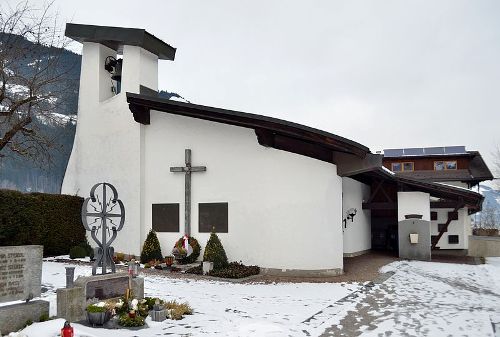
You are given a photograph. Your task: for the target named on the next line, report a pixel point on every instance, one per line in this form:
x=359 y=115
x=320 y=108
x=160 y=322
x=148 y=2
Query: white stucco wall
x=460 y=227
x=108 y=141
x=357 y=234
x=413 y=203
x=284 y=209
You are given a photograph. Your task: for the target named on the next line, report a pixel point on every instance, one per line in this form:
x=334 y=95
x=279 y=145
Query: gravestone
x=71 y=302
x=20 y=279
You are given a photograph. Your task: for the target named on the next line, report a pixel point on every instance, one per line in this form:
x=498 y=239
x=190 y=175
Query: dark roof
x=116 y=37
x=271 y=132
x=478 y=168
x=431 y=175
x=471 y=199
x=477 y=171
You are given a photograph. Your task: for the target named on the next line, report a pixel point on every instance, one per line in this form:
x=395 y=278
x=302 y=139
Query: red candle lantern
x=67 y=330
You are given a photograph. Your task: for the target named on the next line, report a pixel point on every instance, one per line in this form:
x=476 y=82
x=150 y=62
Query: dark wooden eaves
x=270 y=132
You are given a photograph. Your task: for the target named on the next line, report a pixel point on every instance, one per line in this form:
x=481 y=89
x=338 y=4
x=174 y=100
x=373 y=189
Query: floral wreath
x=180 y=246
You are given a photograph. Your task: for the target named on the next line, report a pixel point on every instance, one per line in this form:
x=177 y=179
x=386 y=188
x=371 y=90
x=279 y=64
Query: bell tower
x=108 y=145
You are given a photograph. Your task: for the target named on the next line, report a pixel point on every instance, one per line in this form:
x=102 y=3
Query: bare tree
x=33 y=80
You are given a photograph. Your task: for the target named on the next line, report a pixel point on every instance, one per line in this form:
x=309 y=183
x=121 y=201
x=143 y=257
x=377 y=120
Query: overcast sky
x=387 y=74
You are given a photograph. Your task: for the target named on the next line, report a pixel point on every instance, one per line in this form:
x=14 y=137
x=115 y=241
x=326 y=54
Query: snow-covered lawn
x=220 y=308
x=420 y=299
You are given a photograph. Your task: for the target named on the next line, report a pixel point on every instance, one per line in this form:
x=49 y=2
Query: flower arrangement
x=186 y=249
x=131 y=313
x=97 y=307
x=98 y=313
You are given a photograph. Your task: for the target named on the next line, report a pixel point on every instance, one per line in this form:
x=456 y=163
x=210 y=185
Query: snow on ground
x=420 y=299
x=426 y=299
x=220 y=308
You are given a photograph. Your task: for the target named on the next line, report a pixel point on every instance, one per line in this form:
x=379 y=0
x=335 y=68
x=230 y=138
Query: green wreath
x=196 y=250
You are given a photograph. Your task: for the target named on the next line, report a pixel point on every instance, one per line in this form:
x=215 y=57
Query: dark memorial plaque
x=108 y=288
x=213 y=215
x=166 y=217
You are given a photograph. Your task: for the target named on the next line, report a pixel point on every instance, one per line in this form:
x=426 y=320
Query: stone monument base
x=14 y=317
x=71 y=302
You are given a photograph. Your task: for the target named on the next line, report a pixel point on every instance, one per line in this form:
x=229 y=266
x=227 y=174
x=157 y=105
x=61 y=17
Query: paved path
x=421 y=299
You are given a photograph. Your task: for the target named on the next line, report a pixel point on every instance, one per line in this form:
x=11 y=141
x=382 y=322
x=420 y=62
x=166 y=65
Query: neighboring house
x=284 y=196
x=450 y=165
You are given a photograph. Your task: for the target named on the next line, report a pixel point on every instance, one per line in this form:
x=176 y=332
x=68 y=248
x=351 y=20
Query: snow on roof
x=454 y=186
x=387 y=170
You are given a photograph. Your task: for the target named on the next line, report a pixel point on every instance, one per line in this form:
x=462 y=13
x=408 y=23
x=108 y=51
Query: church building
x=284 y=196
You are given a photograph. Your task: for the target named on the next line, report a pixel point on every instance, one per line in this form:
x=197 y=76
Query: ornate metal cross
x=187 y=189
x=103 y=210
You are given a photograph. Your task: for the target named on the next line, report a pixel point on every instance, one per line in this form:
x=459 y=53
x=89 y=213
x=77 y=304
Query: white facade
x=108 y=142
x=460 y=227
x=283 y=207
x=357 y=233
x=414 y=203
x=285 y=210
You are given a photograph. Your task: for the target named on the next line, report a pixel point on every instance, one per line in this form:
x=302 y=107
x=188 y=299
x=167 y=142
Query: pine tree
x=214 y=252
x=151 y=249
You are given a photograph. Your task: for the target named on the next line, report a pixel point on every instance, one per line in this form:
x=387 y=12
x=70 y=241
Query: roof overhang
x=448 y=194
x=270 y=132
x=116 y=37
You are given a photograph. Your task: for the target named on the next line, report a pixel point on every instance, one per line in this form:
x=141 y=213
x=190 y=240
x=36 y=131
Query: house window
x=213 y=215
x=451 y=165
x=445 y=165
x=434 y=215
x=166 y=218
x=452 y=239
x=408 y=166
x=399 y=167
x=442 y=227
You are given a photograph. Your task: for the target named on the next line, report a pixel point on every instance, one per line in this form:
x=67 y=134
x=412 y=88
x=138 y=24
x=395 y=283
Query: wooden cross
x=187 y=189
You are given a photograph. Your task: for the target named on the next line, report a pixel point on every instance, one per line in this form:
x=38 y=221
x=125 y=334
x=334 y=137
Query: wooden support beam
x=445 y=227
x=444 y=204
x=380 y=205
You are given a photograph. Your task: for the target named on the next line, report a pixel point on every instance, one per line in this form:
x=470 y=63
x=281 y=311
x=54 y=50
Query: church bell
x=117 y=73
x=114 y=67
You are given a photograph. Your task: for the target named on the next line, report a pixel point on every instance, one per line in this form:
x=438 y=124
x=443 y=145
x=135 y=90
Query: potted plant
x=98 y=313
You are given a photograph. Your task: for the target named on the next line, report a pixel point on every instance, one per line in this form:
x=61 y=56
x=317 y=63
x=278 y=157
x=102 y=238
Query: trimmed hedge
x=51 y=220
x=77 y=252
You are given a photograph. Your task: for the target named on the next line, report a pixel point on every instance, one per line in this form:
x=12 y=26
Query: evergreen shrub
x=51 y=220
x=214 y=252
x=151 y=249
x=77 y=252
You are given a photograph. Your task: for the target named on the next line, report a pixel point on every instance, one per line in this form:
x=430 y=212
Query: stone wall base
x=484 y=246
x=301 y=272
x=361 y=252
x=14 y=317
